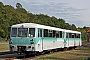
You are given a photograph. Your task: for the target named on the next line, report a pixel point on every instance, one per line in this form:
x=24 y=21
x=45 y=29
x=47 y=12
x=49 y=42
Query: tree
x=73 y=27
x=18 y=5
x=61 y=23
x=67 y=26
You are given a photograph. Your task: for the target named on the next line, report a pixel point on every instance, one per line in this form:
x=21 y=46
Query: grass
x=80 y=54
x=4 y=46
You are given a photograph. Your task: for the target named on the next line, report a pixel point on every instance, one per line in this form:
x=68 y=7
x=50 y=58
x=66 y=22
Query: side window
x=73 y=35
x=45 y=33
x=57 y=34
x=70 y=35
x=50 y=33
x=60 y=34
x=77 y=35
x=39 y=33
x=54 y=33
x=67 y=35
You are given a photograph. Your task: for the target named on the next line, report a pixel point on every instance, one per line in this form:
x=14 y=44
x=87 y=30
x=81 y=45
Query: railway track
x=5 y=52
x=10 y=56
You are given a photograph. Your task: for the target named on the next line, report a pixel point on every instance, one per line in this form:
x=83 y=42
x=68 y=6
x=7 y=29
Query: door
x=40 y=36
x=66 y=39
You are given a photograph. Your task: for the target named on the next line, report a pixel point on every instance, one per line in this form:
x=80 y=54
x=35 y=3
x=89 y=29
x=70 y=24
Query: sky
x=75 y=12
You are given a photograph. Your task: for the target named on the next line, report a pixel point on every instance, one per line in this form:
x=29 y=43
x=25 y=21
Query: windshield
x=23 y=32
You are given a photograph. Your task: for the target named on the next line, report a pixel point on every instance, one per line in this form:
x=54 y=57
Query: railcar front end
x=22 y=39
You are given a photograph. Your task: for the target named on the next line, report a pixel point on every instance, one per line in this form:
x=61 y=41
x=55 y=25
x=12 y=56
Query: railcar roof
x=34 y=25
x=71 y=31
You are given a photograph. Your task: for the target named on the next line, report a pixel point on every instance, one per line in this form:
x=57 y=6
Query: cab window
x=31 y=32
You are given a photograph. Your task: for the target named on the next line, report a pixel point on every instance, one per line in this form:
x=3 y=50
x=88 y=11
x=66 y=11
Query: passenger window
x=66 y=35
x=45 y=33
x=73 y=35
x=57 y=34
x=60 y=34
x=77 y=35
x=70 y=35
x=54 y=33
x=50 y=32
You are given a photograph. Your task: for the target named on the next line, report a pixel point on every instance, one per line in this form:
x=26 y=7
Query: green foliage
x=84 y=36
x=84 y=32
x=18 y=5
x=10 y=16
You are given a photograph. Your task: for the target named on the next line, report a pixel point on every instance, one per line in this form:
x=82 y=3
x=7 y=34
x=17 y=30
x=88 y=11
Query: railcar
x=31 y=37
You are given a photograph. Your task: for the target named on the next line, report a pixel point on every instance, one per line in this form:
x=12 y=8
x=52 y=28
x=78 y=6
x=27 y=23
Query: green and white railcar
x=37 y=38
x=72 y=38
